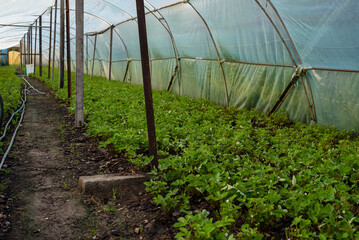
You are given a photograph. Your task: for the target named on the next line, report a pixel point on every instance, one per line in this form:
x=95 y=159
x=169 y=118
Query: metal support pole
x=53 y=56
x=147 y=81
x=68 y=47
x=23 y=50
x=21 y=53
x=62 y=45
x=87 y=54
x=31 y=42
x=50 y=37
x=40 y=45
x=110 y=54
x=79 y=112
x=294 y=79
x=28 y=48
x=35 y=55
x=94 y=54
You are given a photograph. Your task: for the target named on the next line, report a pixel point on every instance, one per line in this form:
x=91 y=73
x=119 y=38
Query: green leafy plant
x=254 y=173
x=114 y=194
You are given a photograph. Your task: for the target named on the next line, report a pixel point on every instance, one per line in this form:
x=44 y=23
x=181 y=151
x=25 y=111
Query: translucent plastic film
x=237 y=52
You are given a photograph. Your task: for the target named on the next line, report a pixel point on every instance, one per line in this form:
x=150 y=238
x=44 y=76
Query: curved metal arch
x=168 y=29
x=286 y=31
x=107 y=22
x=291 y=84
x=278 y=32
x=174 y=46
x=117 y=7
x=73 y=28
x=217 y=52
x=299 y=59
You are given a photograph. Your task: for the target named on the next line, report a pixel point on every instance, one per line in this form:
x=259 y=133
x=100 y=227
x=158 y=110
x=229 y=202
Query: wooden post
x=94 y=54
x=54 y=51
x=62 y=45
x=68 y=44
x=79 y=112
x=40 y=45
x=50 y=37
x=35 y=47
x=147 y=81
x=110 y=54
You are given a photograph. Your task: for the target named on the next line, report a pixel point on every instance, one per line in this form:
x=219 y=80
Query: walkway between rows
x=44 y=205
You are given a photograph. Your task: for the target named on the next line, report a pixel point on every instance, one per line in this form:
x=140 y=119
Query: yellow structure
x=14 y=58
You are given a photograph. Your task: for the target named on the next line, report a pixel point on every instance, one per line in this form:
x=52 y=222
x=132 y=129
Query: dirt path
x=44 y=207
x=43 y=200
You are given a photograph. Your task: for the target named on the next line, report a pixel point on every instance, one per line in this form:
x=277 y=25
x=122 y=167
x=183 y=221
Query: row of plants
x=10 y=89
x=232 y=174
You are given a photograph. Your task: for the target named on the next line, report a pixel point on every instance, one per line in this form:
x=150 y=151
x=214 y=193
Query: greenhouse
x=239 y=116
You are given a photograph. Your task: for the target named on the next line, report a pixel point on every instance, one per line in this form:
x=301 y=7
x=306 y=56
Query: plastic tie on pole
x=300 y=70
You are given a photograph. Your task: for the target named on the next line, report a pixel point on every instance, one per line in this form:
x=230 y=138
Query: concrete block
x=127 y=187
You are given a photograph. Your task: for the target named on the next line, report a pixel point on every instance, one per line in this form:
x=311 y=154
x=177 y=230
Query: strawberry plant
x=232 y=173
x=10 y=90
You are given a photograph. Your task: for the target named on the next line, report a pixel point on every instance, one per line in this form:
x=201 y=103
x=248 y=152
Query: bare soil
x=42 y=200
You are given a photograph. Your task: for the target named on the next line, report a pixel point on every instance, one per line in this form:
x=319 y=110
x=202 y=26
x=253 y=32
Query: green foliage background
x=232 y=174
x=10 y=89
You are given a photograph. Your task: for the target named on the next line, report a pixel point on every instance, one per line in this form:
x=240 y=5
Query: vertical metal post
x=40 y=45
x=147 y=81
x=110 y=54
x=31 y=42
x=94 y=54
x=35 y=46
x=87 y=54
x=21 y=53
x=62 y=45
x=79 y=112
x=28 y=47
x=24 y=50
x=68 y=47
x=54 y=51
x=50 y=37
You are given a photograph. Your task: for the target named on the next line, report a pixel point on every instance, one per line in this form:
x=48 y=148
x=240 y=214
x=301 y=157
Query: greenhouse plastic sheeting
x=235 y=52
x=3 y=58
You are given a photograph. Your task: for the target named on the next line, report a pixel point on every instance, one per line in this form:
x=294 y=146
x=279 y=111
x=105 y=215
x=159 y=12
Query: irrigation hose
x=8 y=123
x=15 y=132
x=23 y=106
x=32 y=86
